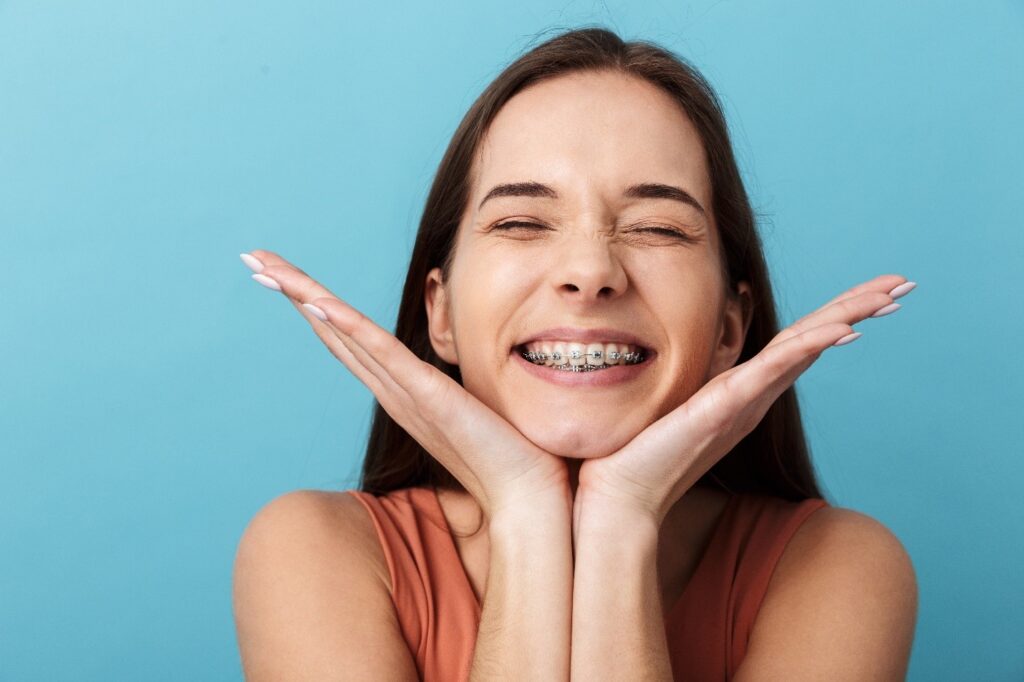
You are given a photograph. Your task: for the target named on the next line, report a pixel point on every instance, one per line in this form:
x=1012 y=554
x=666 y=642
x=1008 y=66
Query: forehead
x=593 y=128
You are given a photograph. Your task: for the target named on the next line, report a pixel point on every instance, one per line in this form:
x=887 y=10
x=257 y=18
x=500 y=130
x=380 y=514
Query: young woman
x=587 y=458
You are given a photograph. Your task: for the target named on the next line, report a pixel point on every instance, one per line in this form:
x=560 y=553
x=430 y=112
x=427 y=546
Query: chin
x=578 y=440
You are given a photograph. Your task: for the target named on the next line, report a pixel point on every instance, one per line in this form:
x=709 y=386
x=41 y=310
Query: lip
x=581 y=335
x=612 y=376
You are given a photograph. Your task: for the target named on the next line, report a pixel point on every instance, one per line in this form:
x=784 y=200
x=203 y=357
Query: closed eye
x=517 y=223
x=666 y=231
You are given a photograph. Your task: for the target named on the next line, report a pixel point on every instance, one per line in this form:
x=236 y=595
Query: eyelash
x=660 y=230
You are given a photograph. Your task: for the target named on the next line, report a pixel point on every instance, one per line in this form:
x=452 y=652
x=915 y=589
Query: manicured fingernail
x=847 y=339
x=251 y=262
x=903 y=289
x=891 y=308
x=267 y=282
x=317 y=312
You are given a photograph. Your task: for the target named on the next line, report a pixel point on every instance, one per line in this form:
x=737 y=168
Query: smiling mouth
x=578 y=360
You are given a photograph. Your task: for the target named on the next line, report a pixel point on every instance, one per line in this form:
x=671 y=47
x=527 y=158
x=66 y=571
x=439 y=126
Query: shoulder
x=311 y=594
x=841 y=603
x=835 y=540
x=314 y=526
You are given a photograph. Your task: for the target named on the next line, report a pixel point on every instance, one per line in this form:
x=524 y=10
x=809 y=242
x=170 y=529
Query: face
x=585 y=260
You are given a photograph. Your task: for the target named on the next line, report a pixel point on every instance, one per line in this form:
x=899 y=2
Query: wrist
x=539 y=517
x=614 y=517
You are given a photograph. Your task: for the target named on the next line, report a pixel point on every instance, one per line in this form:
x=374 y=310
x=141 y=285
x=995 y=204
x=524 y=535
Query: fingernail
x=317 y=312
x=891 y=308
x=847 y=339
x=903 y=289
x=267 y=282
x=251 y=262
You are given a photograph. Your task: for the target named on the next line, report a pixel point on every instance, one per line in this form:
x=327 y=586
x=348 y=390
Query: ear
x=439 y=322
x=736 y=317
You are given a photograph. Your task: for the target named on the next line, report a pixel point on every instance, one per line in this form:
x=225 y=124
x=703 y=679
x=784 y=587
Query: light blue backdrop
x=154 y=396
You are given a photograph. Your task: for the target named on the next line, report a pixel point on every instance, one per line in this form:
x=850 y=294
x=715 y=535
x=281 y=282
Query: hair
x=772 y=459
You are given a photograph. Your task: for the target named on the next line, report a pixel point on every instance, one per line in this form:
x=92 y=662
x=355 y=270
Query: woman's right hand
x=497 y=465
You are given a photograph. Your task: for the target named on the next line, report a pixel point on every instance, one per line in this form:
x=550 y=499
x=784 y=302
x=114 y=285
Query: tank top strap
x=758 y=546
x=708 y=629
x=434 y=602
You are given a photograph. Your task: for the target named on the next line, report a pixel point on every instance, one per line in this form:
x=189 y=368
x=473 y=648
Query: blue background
x=154 y=397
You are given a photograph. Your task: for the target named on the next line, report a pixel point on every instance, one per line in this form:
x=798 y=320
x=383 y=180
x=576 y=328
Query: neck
x=574 y=474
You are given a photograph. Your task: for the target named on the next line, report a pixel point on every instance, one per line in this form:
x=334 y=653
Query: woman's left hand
x=651 y=472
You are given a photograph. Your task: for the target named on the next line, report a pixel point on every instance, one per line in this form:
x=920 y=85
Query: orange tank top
x=707 y=628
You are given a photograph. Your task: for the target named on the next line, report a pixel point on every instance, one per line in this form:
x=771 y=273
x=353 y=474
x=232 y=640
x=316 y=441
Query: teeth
x=546 y=349
x=547 y=346
x=613 y=354
x=558 y=356
x=576 y=354
x=577 y=357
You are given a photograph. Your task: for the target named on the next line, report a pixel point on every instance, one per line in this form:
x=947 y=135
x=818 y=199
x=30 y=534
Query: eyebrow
x=643 y=190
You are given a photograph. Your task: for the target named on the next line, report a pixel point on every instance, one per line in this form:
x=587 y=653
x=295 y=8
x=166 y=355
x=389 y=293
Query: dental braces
x=627 y=358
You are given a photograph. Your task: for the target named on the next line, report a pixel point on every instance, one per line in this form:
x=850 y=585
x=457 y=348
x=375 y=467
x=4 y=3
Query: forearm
x=618 y=628
x=525 y=619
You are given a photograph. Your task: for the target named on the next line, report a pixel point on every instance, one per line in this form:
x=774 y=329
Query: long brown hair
x=773 y=459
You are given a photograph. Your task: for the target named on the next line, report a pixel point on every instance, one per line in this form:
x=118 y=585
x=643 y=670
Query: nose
x=587 y=270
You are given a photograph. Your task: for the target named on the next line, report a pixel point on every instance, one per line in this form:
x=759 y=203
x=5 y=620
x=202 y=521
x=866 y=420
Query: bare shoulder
x=319 y=524
x=312 y=592
x=834 y=535
x=841 y=604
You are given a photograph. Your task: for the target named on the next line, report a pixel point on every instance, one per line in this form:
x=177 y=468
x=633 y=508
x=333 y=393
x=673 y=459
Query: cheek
x=489 y=294
x=481 y=313
x=690 y=363
x=695 y=366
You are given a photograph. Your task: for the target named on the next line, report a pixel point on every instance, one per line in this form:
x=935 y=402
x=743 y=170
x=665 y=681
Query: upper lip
x=581 y=335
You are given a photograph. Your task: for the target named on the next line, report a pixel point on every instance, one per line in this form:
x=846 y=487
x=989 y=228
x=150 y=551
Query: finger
x=764 y=377
x=383 y=354
x=850 y=307
x=412 y=385
x=849 y=311
x=417 y=419
x=882 y=283
x=387 y=358
x=296 y=285
x=343 y=318
x=269 y=264
x=338 y=347
x=380 y=350
x=270 y=258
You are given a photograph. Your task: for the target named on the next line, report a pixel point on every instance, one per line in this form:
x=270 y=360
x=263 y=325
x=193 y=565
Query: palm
x=663 y=461
x=489 y=456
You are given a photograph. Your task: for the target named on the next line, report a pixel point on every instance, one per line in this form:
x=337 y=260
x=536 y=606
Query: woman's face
x=583 y=254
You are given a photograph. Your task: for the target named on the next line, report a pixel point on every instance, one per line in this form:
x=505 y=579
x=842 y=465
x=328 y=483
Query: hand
x=496 y=464
x=651 y=472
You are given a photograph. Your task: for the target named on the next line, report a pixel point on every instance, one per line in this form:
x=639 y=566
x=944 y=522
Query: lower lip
x=616 y=374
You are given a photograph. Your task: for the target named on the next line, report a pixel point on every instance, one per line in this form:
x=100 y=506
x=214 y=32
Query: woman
x=587 y=457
